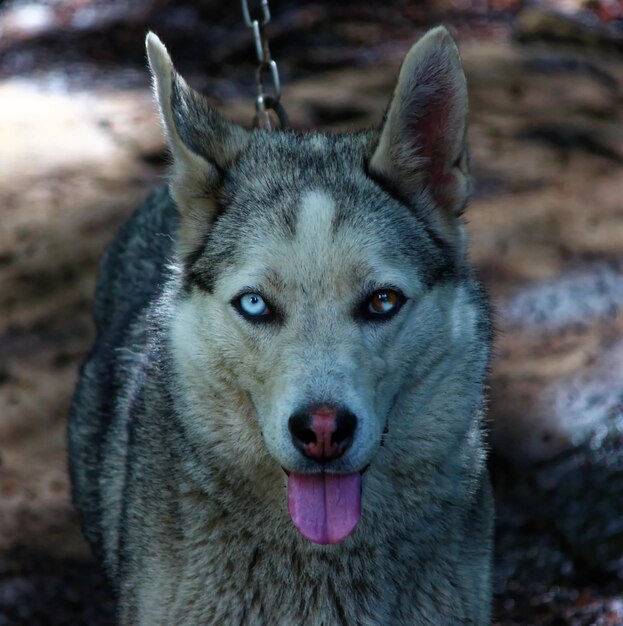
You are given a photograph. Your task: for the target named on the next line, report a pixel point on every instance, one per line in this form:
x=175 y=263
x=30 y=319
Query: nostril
x=299 y=425
x=345 y=425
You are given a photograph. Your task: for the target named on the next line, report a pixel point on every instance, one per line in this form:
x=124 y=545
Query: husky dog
x=280 y=420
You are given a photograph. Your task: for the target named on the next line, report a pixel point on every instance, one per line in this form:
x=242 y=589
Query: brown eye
x=383 y=304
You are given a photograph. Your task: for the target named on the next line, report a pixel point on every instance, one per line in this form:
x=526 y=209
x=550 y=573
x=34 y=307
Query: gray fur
x=178 y=430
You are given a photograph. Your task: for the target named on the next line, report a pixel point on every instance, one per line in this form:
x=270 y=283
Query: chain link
x=267 y=73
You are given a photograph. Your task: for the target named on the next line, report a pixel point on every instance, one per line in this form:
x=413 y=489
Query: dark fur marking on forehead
x=192 y=276
x=446 y=266
x=253 y=199
x=343 y=213
x=202 y=277
x=445 y=271
x=289 y=222
x=205 y=266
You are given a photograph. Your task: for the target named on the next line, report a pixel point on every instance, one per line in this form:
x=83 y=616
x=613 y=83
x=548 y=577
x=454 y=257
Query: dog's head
x=326 y=296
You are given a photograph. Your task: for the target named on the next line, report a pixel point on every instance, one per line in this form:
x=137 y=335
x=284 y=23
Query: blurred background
x=80 y=147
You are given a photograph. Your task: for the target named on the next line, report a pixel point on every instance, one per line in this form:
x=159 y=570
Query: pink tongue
x=325 y=507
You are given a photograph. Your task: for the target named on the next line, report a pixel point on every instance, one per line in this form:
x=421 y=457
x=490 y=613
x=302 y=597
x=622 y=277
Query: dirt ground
x=546 y=227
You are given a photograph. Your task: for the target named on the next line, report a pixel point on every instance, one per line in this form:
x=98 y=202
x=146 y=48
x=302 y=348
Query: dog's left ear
x=422 y=152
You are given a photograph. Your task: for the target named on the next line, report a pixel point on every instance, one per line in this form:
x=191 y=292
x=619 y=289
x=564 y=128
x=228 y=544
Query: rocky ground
x=81 y=147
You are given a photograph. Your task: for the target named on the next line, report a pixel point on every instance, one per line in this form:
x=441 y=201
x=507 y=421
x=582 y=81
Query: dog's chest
x=229 y=582
x=243 y=582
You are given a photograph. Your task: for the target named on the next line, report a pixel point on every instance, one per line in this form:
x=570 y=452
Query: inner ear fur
x=202 y=143
x=422 y=149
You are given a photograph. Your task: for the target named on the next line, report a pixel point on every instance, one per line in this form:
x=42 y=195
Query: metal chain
x=267 y=69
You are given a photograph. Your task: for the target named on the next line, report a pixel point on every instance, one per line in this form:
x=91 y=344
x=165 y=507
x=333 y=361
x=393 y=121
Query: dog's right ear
x=202 y=143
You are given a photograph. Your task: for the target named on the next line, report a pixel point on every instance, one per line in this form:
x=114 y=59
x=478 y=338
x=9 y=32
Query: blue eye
x=253 y=304
x=253 y=307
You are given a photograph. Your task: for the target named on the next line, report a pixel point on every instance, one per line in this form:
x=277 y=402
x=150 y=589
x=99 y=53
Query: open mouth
x=325 y=507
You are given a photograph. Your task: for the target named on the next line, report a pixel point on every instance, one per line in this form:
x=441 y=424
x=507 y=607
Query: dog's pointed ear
x=202 y=143
x=422 y=149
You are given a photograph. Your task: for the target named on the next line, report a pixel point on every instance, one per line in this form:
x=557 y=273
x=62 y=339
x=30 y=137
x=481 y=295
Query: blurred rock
x=560 y=357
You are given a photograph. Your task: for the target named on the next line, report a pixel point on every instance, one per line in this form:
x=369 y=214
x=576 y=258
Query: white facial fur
x=319 y=351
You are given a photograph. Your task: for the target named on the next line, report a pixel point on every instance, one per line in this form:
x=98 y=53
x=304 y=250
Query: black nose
x=323 y=432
